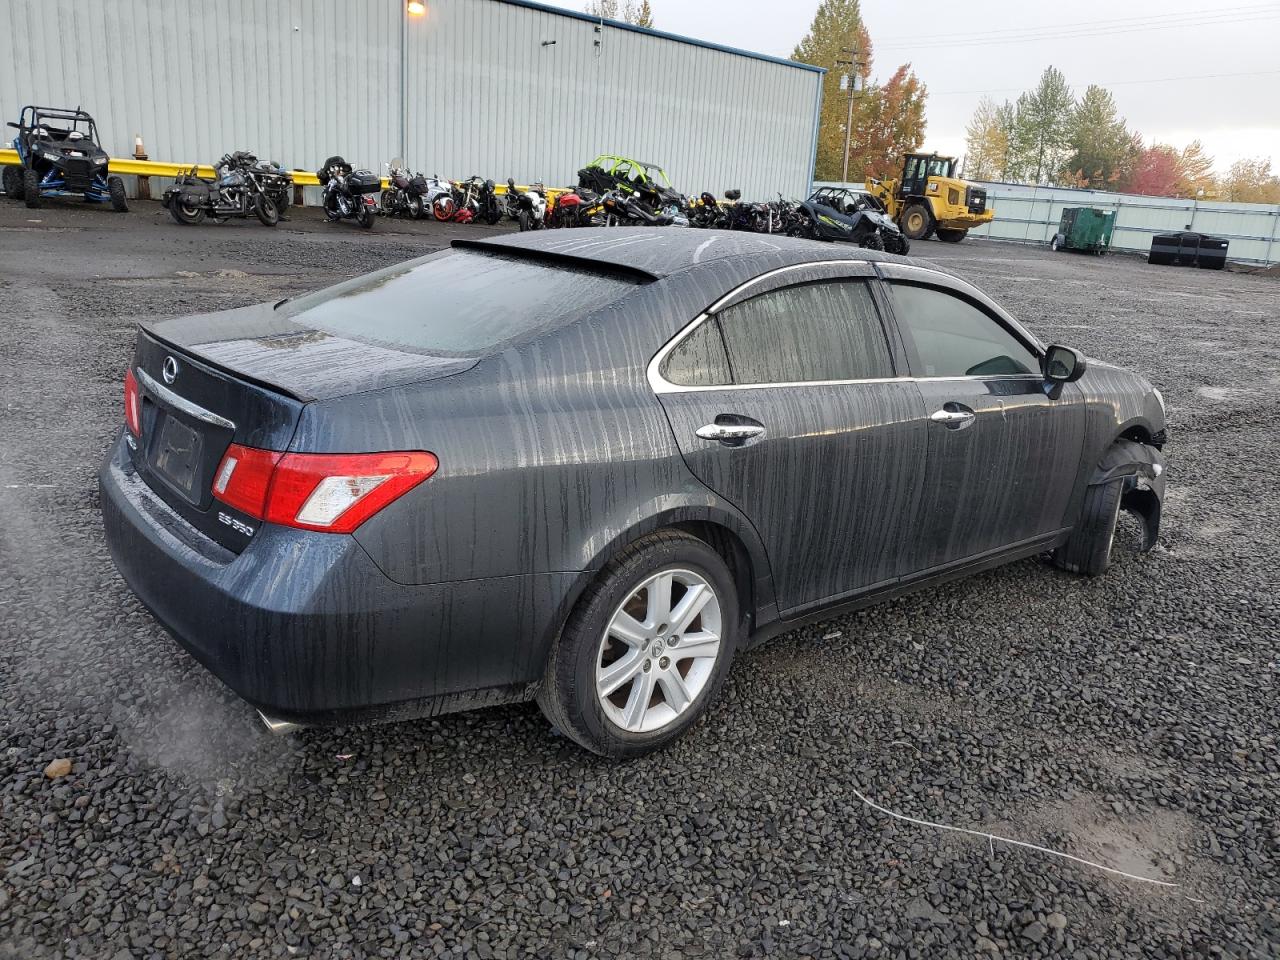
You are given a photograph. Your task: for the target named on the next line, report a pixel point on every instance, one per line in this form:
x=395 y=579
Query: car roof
x=658 y=252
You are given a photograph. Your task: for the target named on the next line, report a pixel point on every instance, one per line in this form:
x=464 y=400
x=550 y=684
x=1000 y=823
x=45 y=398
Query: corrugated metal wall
x=298 y=80
x=1032 y=215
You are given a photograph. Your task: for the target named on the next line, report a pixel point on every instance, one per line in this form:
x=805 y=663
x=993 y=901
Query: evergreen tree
x=1041 y=141
x=1099 y=141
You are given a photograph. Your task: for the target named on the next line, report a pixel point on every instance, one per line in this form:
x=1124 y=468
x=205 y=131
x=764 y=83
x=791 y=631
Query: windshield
x=940 y=167
x=462 y=303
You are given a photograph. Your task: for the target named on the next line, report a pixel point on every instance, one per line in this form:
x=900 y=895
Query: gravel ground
x=1130 y=719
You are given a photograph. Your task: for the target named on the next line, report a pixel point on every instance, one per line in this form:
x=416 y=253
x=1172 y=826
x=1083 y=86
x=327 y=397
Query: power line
x=1116 y=83
x=1084 y=32
x=908 y=40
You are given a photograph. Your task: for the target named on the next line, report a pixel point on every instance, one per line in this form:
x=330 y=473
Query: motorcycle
x=860 y=222
x=405 y=194
x=576 y=208
x=623 y=210
x=527 y=207
x=237 y=190
x=276 y=181
x=475 y=199
x=439 y=199
x=706 y=212
x=348 y=193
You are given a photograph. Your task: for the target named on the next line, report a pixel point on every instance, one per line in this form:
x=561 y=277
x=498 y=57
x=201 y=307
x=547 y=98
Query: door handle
x=730 y=433
x=953 y=416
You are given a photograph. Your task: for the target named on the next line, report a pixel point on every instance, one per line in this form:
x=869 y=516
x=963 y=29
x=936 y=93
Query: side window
x=699 y=359
x=954 y=338
x=816 y=331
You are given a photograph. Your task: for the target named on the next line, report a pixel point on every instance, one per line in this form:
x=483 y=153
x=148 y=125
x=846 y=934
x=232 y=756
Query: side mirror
x=1062 y=365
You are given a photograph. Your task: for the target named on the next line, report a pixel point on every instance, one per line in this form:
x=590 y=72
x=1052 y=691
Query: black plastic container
x=1187 y=249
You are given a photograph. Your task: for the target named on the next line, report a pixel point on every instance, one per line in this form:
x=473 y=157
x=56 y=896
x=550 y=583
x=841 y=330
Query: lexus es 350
x=591 y=468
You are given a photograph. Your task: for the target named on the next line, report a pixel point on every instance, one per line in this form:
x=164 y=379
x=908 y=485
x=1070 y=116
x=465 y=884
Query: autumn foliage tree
x=987 y=140
x=628 y=11
x=890 y=124
x=1155 y=172
x=1252 y=181
x=887 y=118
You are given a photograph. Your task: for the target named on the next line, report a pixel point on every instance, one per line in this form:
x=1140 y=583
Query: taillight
x=132 y=404
x=333 y=492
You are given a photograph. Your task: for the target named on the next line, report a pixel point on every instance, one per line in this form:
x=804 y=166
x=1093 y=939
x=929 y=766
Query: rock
x=1035 y=932
x=1056 y=921
x=988 y=946
x=58 y=768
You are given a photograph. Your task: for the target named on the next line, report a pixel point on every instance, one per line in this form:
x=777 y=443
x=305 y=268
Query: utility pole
x=851 y=81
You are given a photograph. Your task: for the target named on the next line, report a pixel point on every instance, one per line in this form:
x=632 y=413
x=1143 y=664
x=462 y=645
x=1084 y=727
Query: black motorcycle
x=276 y=181
x=626 y=210
x=236 y=191
x=861 y=221
x=348 y=193
x=707 y=213
x=406 y=194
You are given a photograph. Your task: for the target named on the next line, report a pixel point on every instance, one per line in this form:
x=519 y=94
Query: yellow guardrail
x=158 y=168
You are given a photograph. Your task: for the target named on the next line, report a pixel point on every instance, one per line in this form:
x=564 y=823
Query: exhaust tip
x=278 y=727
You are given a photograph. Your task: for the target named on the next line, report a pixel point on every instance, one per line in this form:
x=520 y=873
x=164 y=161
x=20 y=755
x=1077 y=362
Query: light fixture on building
x=416 y=8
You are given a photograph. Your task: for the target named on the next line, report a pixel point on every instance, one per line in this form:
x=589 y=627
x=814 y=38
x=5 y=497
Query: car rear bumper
x=305 y=627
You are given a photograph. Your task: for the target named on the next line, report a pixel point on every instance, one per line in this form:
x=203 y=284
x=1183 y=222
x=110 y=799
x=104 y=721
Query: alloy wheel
x=659 y=650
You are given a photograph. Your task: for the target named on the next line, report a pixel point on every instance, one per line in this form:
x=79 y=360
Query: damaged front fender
x=1141 y=467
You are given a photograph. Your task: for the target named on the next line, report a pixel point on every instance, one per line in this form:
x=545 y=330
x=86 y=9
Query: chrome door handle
x=729 y=432
x=952 y=418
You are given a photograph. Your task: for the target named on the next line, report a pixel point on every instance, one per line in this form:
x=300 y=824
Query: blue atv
x=60 y=157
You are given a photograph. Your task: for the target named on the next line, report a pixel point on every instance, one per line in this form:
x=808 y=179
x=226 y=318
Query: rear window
x=463 y=304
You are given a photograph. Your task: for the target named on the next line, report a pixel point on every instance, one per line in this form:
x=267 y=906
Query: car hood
x=261 y=344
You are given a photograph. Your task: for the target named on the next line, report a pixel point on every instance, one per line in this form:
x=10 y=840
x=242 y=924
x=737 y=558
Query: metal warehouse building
x=502 y=88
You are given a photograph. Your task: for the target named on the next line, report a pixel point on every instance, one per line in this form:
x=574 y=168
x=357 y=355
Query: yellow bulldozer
x=929 y=200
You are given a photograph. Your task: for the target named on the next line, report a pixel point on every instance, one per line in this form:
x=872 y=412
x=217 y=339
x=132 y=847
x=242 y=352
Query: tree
x=1195 y=171
x=887 y=118
x=890 y=124
x=987 y=140
x=1099 y=141
x=1155 y=172
x=1251 y=181
x=627 y=11
x=1041 y=140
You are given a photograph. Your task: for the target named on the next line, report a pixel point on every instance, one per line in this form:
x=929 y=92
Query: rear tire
x=265 y=210
x=183 y=214
x=416 y=210
x=950 y=236
x=31 y=188
x=1088 y=551
x=13 y=182
x=523 y=219
x=656 y=694
x=119 y=202
x=917 y=221
x=1056 y=243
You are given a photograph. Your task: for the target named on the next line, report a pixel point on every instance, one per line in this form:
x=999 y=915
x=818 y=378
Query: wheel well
x=1136 y=433
x=734 y=553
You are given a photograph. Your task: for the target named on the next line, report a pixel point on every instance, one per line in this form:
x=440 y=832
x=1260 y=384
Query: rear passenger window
x=956 y=339
x=699 y=359
x=816 y=331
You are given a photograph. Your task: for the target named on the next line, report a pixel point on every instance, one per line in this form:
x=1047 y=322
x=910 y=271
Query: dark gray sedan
x=592 y=466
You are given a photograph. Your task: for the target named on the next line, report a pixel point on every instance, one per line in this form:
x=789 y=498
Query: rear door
x=1003 y=456
x=786 y=401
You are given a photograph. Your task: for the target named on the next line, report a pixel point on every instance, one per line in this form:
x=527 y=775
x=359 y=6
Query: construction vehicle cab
x=928 y=199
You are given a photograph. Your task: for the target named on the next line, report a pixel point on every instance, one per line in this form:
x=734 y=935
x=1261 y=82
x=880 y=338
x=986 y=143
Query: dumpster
x=1087 y=229
x=1188 y=249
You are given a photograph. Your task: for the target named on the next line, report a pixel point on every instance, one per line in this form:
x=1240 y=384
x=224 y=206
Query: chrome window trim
x=179 y=403
x=866 y=270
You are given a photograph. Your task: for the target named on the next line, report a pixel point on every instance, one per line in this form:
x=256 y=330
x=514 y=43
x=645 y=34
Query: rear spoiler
x=621 y=271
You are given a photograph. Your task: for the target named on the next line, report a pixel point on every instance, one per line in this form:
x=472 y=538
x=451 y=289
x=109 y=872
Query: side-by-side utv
x=60 y=157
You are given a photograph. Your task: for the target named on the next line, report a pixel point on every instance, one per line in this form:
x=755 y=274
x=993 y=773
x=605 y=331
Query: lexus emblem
x=170 y=370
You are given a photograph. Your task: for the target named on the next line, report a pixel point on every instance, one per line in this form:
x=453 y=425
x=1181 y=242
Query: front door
x=788 y=405
x=1003 y=456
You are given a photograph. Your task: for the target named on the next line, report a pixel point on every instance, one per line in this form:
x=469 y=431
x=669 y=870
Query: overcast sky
x=1137 y=40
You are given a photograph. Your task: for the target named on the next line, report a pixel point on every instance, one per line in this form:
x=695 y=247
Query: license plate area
x=176 y=457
